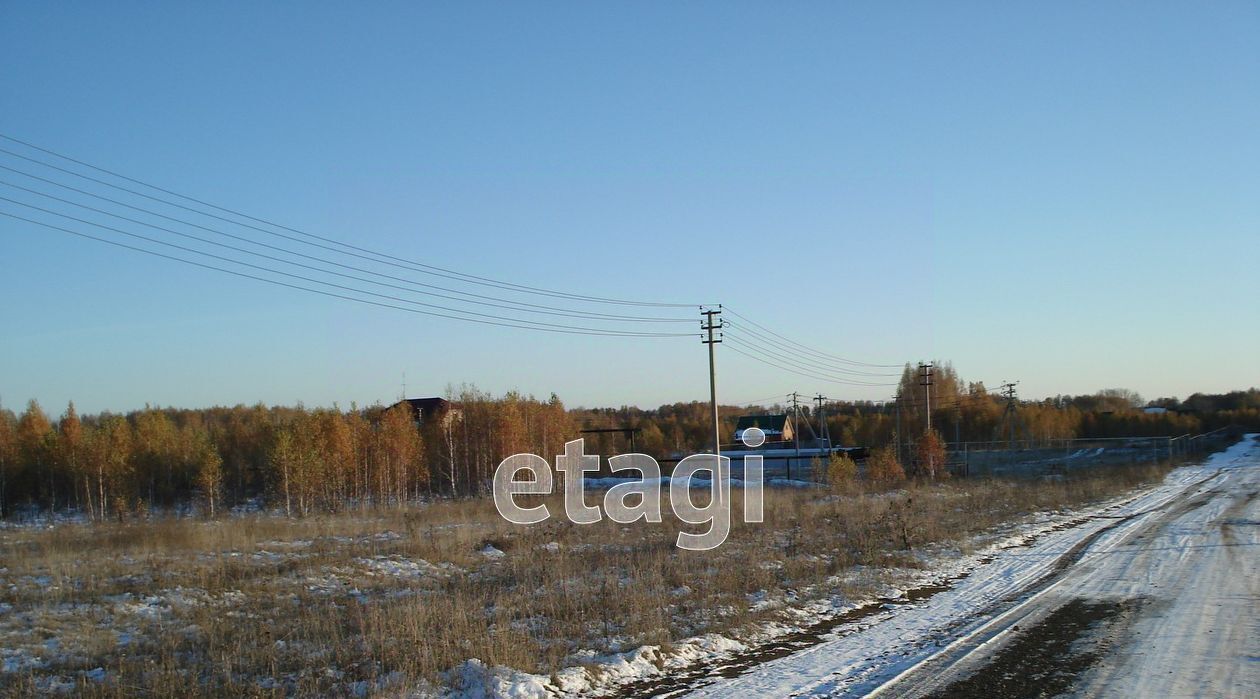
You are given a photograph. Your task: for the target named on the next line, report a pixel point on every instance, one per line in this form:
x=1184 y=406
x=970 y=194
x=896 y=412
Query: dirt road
x=1155 y=596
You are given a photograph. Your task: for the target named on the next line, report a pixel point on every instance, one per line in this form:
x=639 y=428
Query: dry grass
x=365 y=603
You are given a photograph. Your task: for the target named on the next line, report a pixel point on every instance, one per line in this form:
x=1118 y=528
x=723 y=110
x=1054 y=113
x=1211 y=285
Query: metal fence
x=1050 y=456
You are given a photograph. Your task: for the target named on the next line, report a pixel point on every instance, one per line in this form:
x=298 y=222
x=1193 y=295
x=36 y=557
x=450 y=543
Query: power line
x=759 y=401
x=386 y=258
x=282 y=249
x=735 y=349
x=777 y=350
x=957 y=401
x=786 y=348
x=275 y=271
x=803 y=365
x=814 y=351
x=502 y=303
x=496 y=320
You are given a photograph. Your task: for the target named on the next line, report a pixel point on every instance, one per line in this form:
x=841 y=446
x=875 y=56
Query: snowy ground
x=1153 y=596
x=446 y=599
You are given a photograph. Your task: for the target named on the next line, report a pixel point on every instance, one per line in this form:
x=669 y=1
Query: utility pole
x=796 y=431
x=925 y=380
x=897 y=435
x=709 y=326
x=1008 y=391
x=823 y=433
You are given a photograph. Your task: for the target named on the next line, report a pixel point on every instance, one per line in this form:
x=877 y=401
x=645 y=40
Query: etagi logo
x=645 y=491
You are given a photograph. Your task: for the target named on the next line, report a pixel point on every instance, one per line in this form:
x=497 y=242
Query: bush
x=841 y=471
x=930 y=456
x=883 y=467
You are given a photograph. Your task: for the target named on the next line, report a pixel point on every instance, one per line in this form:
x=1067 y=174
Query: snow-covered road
x=1154 y=596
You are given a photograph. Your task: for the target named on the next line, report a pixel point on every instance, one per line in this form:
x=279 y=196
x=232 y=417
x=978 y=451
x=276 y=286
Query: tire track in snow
x=867 y=659
x=1031 y=609
x=985 y=657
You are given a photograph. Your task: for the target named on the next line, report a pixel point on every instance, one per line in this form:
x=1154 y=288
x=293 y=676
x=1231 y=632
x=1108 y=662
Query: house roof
x=768 y=423
x=425 y=407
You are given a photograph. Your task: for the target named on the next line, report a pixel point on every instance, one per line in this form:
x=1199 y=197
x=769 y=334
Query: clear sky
x=1064 y=194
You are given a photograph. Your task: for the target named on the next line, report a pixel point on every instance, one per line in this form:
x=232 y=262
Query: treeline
x=295 y=459
x=961 y=412
x=303 y=461
x=972 y=412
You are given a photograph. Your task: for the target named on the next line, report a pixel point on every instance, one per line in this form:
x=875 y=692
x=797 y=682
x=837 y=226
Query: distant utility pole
x=1008 y=415
x=823 y=432
x=709 y=326
x=925 y=380
x=897 y=434
x=796 y=429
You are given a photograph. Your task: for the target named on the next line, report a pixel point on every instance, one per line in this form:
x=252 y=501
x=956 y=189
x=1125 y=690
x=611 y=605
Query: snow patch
x=489 y=551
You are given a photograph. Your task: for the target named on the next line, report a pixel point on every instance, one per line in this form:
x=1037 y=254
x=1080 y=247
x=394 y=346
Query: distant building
x=425 y=410
x=1161 y=409
x=778 y=428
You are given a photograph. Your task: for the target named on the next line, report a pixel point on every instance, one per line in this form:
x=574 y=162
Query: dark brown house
x=425 y=410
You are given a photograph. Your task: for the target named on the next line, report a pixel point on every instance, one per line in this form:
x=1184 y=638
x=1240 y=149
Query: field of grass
x=396 y=601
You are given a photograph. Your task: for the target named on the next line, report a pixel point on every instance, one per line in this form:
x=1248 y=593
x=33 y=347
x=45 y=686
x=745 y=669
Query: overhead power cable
x=788 y=348
x=805 y=348
x=307 y=238
x=485 y=319
x=760 y=401
x=495 y=302
x=739 y=332
x=807 y=374
x=804 y=367
x=961 y=399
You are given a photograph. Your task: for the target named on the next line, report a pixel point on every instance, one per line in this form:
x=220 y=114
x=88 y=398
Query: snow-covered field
x=1154 y=596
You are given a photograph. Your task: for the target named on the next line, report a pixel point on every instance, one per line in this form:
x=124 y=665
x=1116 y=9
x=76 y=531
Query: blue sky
x=1063 y=194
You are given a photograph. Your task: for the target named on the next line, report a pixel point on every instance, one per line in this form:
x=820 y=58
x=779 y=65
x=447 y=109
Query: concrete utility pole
x=709 y=326
x=925 y=380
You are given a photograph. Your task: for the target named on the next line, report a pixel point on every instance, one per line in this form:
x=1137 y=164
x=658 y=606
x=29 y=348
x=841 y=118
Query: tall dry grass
x=263 y=605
